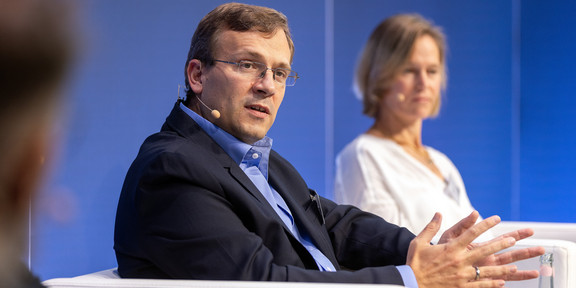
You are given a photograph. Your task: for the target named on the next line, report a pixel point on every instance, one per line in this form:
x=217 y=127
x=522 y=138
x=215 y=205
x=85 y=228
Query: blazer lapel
x=289 y=184
x=243 y=179
x=181 y=123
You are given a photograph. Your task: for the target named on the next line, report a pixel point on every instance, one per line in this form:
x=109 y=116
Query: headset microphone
x=401 y=97
x=215 y=113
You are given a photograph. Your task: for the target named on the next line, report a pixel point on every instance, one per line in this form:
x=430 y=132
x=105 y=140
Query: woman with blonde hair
x=387 y=170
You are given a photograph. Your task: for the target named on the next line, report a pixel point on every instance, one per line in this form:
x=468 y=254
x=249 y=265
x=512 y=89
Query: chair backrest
x=542 y=230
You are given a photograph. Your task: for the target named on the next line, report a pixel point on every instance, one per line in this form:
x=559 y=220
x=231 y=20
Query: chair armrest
x=109 y=278
x=564 y=265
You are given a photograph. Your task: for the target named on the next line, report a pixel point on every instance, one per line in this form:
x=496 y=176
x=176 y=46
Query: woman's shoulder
x=367 y=140
x=366 y=143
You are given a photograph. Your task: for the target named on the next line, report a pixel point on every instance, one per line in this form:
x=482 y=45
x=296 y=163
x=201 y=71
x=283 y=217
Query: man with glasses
x=207 y=197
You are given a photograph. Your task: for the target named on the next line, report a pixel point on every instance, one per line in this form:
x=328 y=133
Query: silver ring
x=477 y=273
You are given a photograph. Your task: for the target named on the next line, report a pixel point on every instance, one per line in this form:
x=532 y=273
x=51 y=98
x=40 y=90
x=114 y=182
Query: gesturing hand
x=497 y=259
x=452 y=262
x=511 y=256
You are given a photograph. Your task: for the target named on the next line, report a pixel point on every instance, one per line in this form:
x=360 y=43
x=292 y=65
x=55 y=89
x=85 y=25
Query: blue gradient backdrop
x=506 y=120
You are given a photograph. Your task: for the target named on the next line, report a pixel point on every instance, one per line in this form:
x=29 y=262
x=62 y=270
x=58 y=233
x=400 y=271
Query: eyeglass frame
x=295 y=77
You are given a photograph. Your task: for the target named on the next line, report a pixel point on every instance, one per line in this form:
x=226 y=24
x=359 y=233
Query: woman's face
x=415 y=90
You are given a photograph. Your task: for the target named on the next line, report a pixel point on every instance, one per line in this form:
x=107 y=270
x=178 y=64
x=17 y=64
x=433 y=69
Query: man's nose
x=266 y=83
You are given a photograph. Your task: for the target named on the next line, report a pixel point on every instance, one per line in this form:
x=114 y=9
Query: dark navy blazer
x=187 y=211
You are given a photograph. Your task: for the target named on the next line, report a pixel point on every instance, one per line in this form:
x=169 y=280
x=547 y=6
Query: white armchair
x=109 y=278
x=558 y=239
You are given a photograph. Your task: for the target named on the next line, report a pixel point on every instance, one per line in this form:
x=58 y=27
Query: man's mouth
x=259 y=108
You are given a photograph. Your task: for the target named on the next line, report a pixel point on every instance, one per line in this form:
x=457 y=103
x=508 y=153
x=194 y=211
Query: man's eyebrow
x=257 y=57
x=249 y=55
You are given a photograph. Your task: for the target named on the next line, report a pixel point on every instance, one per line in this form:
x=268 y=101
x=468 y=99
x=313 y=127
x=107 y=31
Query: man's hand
x=459 y=228
x=452 y=262
x=497 y=259
x=511 y=256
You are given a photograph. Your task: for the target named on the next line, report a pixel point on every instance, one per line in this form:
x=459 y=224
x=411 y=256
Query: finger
x=431 y=229
x=486 y=284
x=467 y=222
x=520 y=234
x=518 y=254
x=483 y=251
x=496 y=272
x=523 y=275
x=459 y=227
x=473 y=232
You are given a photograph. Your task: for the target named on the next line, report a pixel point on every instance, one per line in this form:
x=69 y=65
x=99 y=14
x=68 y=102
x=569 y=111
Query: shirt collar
x=235 y=148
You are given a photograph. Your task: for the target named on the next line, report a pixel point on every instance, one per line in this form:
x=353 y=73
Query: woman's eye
x=409 y=71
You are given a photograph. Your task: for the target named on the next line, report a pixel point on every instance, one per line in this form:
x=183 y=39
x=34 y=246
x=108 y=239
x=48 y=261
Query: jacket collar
x=182 y=124
x=283 y=181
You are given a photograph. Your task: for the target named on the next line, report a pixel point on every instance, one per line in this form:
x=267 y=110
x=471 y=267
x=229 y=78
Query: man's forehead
x=245 y=44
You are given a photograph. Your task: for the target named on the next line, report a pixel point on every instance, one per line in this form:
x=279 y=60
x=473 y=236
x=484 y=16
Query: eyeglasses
x=282 y=76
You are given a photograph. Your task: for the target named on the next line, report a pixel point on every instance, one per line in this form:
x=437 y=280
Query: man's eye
x=247 y=65
x=281 y=74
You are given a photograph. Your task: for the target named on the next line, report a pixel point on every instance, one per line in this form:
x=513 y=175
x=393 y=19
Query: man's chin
x=250 y=138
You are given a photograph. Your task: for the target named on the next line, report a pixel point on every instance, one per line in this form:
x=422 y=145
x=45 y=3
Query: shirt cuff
x=407 y=276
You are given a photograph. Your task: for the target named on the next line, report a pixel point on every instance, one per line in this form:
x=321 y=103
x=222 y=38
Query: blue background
x=506 y=120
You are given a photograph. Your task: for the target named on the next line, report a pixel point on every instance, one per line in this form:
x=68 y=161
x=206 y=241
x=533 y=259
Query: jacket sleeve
x=189 y=224
x=362 y=239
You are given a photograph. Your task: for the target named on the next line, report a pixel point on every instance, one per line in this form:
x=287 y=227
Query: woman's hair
x=388 y=48
x=235 y=17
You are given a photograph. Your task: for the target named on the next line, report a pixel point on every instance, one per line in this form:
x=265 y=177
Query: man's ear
x=194 y=72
